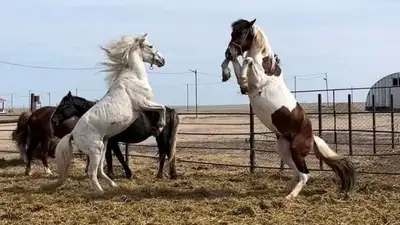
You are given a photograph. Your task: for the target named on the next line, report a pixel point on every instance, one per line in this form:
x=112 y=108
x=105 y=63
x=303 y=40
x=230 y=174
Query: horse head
x=70 y=106
x=242 y=37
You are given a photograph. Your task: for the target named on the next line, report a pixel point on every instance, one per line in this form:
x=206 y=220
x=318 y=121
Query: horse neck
x=260 y=47
x=84 y=106
x=137 y=68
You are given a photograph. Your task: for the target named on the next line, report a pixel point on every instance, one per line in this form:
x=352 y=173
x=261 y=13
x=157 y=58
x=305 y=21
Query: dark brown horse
x=143 y=127
x=35 y=131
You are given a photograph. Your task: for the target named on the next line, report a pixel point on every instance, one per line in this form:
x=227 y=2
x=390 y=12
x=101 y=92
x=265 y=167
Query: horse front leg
x=241 y=74
x=117 y=151
x=152 y=106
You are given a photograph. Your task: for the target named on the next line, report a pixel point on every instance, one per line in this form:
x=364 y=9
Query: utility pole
x=12 y=102
x=49 y=97
x=30 y=100
x=187 y=97
x=295 y=86
x=327 y=92
x=76 y=91
x=195 y=88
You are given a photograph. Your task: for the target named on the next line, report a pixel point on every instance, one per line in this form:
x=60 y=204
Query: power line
x=78 y=68
x=46 y=67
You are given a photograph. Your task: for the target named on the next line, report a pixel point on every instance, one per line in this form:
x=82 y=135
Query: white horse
x=129 y=93
x=273 y=103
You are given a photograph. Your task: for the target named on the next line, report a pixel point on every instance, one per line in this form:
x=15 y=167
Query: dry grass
x=201 y=195
x=204 y=194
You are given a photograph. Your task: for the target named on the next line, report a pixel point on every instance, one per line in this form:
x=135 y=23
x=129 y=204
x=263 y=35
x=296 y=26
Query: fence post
x=350 y=128
x=334 y=119
x=127 y=153
x=373 y=125
x=320 y=123
x=392 y=118
x=252 y=153
x=32 y=102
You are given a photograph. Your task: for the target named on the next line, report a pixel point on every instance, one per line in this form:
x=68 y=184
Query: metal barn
x=382 y=90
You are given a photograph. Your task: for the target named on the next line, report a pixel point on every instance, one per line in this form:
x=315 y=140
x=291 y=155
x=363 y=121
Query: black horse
x=143 y=127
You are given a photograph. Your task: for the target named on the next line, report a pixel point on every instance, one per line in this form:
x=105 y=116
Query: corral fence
x=361 y=123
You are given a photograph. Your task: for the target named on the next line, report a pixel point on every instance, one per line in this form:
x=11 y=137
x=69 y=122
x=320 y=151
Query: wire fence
x=369 y=136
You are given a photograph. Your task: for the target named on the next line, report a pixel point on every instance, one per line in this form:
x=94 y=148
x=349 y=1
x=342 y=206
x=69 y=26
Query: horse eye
x=150 y=46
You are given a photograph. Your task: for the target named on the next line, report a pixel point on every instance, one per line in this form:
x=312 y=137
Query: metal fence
x=369 y=136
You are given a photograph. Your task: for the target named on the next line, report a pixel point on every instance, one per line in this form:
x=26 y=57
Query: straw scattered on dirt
x=201 y=195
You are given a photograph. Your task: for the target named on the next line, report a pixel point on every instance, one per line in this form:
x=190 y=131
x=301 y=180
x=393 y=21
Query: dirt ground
x=207 y=194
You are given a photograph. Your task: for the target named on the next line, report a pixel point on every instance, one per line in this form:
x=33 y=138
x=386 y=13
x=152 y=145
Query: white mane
x=261 y=43
x=118 y=55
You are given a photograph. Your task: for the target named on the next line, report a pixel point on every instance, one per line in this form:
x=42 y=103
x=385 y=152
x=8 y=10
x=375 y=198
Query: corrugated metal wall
x=382 y=91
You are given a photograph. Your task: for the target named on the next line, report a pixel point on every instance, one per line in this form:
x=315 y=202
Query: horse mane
x=118 y=56
x=82 y=102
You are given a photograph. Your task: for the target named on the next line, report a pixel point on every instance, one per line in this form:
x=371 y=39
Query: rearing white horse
x=273 y=103
x=129 y=93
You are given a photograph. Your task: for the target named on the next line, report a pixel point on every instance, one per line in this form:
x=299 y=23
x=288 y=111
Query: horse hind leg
x=29 y=154
x=63 y=154
x=283 y=150
x=43 y=155
x=300 y=147
x=103 y=175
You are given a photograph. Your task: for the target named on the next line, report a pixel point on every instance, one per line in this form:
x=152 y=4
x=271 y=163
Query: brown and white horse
x=273 y=103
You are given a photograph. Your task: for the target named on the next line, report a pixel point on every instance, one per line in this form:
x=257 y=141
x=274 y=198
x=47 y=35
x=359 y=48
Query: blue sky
x=355 y=42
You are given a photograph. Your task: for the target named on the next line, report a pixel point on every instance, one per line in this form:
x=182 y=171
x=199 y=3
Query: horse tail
x=174 y=135
x=20 y=135
x=341 y=165
x=63 y=155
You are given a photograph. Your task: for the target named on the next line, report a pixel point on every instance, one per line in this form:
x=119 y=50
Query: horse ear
x=276 y=70
x=252 y=22
x=69 y=94
x=143 y=37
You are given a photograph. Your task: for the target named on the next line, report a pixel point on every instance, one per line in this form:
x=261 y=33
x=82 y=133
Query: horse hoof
x=289 y=197
x=48 y=171
x=159 y=176
x=155 y=131
x=173 y=177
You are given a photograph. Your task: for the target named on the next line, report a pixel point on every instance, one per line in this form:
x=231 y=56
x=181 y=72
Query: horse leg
x=94 y=163
x=87 y=164
x=29 y=153
x=63 y=155
x=283 y=150
x=300 y=146
x=109 y=161
x=110 y=182
x=43 y=154
x=155 y=107
x=240 y=76
x=160 y=173
x=120 y=157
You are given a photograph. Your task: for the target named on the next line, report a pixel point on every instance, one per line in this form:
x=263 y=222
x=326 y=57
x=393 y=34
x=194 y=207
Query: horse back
x=39 y=121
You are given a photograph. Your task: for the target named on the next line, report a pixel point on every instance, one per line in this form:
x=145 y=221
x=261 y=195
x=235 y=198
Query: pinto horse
x=145 y=126
x=273 y=103
x=35 y=131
